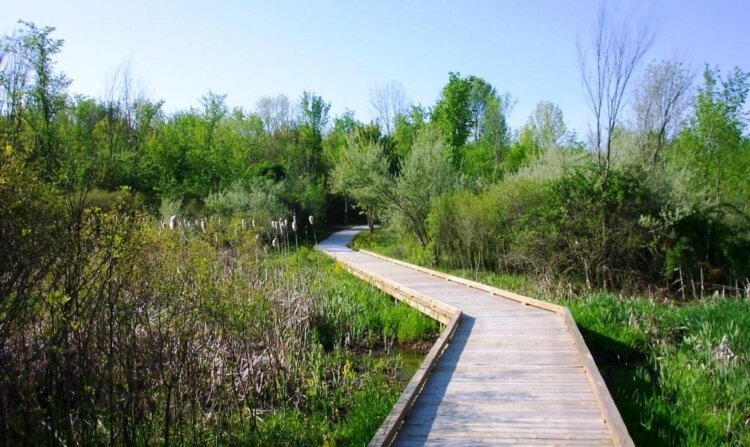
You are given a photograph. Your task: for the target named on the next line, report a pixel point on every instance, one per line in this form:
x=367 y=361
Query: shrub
x=123 y=198
x=476 y=231
x=261 y=200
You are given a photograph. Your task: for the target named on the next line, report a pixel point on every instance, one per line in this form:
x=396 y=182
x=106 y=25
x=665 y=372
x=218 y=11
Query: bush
x=708 y=249
x=584 y=226
x=123 y=198
x=590 y=227
x=606 y=229
x=261 y=200
x=477 y=231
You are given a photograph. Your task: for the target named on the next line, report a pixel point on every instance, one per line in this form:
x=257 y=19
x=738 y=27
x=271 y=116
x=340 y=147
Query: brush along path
x=515 y=372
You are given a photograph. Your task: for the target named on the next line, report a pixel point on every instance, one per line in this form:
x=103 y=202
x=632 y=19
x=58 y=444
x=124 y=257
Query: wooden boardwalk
x=514 y=371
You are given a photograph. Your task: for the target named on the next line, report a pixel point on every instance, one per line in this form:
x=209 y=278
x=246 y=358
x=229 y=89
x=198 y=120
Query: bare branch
x=617 y=50
x=388 y=100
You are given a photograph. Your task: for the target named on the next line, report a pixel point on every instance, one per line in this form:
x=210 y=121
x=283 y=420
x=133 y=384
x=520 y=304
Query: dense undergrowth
x=114 y=331
x=678 y=371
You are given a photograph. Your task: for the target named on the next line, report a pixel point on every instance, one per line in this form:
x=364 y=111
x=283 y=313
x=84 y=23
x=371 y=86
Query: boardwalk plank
x=515 y=371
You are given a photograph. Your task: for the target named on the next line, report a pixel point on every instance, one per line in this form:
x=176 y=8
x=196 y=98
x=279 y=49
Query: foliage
x=261 y=200
x=452 y=114
x=187 y=337
x=710 y=152
x=427 y=173
x=362 y=173
x=580 y=226
x=476 y=231
x=406 y=128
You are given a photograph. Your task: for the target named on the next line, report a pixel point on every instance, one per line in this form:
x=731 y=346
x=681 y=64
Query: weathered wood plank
x=389 y=429
x=515 y=372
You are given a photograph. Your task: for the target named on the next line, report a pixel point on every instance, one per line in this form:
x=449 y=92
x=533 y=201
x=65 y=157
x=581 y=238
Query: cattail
x=172 y=222
x=311 y=219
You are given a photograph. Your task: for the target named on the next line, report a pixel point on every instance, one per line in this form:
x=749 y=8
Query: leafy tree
x=373 y=133
x=362 y=174
x=480 y=96
x=548 y=125
x=408 y=124
x=335 y=140
x=313 y=120
x=427 y=173
x=453 y=114
x=711 y=150
x=35 y=104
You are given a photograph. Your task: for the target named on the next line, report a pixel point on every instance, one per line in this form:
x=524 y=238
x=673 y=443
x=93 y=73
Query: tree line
x=656 y=197
x=657 y=192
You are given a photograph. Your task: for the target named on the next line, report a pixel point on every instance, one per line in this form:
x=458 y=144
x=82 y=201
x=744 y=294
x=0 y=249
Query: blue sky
x=178 y=50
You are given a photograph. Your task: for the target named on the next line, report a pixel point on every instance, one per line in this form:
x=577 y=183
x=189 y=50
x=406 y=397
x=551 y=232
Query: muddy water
x=411 y=358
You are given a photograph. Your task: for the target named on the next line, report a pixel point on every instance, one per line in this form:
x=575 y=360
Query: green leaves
x=453 y=113
x=711 y=150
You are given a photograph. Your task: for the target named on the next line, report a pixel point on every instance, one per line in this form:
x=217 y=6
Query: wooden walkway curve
x=513 y=371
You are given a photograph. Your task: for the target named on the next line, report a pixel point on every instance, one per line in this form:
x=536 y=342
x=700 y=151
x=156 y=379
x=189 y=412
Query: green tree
x=313 y=120
x=711 y=150
x=405 y=131
x=362 y=174
x=480 y=96
x=427 y=173
x=336 y=139
x=34 y=105
x=495 y=135
x=453 y=114
x=548 y=125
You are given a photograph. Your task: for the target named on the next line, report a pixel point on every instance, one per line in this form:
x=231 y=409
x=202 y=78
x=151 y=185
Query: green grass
x=660 y=359
x=355 y=314
x=348 y=390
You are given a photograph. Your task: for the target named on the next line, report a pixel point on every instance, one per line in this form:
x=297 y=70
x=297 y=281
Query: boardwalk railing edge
x=442 y=312
x=390 y=427
x=611 y=414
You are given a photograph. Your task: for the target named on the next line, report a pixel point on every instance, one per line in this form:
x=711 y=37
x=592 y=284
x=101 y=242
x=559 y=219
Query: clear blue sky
x=178 y=50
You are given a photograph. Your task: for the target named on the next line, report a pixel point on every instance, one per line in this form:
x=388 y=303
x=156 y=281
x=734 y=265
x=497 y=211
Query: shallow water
x=411 y=359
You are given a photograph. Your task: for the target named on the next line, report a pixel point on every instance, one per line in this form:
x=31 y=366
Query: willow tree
x=362 y=174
